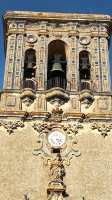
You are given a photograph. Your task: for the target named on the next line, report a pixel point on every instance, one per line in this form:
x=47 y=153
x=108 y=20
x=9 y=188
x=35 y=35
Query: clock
x=56 y=139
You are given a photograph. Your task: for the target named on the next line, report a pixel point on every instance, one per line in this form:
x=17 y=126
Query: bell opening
x=56 y=59
x=84 y=65
x=30 y=64
x=56 y=63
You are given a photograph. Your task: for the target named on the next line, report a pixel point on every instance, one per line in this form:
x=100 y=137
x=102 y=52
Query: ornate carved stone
x=57 y=115
x=56 y=186
x=103 y=128
x=43 y=129
x=26 y=197
x=72 y=128
x=27 y=101
x=55 y=196
x=28 y=96
x=57 y=173
x=57 y=170
x=86 y=98
x=57 y=102
x=86 y=103
x=82 y=118
x=11 y=125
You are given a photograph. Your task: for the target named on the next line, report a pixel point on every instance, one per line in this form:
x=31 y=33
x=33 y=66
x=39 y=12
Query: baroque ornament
x=56 y=185
x=56 y=161
x=11 y=125
x=27 y=101
x=43 y=129
x=57 y=115
x=103 y=128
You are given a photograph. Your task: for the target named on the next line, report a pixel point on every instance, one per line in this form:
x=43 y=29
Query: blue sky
x=64 y=6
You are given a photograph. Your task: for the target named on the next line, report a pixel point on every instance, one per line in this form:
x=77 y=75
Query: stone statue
x=57 y=170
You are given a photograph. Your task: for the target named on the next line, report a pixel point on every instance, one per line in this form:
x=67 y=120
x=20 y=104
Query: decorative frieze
x=45 y=128
x=102 y=128
x=10 y=125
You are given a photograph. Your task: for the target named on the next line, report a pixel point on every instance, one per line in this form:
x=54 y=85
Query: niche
x=56 y=69
x=29 y=64
x=84 y=65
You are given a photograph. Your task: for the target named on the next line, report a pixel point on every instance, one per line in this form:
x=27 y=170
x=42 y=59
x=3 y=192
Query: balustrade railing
x=86 y=85
x=28 y=83
x=57 y=82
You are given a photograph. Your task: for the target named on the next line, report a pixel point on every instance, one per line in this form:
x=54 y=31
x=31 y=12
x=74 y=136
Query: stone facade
x=55 y=118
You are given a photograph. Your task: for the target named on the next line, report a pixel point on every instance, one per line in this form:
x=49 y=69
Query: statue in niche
x=56 y=186
x=57 y=170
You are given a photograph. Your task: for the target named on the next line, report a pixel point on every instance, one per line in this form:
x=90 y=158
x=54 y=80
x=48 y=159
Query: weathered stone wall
x=88 y=175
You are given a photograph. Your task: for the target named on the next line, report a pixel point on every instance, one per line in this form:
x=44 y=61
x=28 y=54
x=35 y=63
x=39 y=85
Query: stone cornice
x=42 y=115
x=25 y=16
x=58 y=16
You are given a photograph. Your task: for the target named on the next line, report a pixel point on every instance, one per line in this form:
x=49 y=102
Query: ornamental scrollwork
x=56 y=161
x=71 y=130
x=10 y=126
x=103 y=128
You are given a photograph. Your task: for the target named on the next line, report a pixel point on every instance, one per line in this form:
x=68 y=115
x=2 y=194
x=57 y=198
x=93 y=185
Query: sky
x=59 y=6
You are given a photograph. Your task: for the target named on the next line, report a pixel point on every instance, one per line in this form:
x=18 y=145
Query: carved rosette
x=10 y=126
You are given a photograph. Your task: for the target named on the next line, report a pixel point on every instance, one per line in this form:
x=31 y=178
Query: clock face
x=56 y=139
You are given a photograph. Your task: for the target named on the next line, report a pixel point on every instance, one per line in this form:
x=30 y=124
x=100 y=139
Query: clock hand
x=59 y=141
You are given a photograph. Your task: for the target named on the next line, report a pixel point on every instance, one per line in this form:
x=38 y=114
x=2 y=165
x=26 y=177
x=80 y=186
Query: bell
x=57 y=67
x=56 y=71
x=29 y=65
x=30 y=62
x=84 y=64
x=85 y=69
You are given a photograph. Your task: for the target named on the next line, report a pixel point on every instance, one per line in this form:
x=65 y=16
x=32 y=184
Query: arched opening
x=56 y=69
x=29 y=69
x=84 y=70
x=84 y=65
x=29 y=64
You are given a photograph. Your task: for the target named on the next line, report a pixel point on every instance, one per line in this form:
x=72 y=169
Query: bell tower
x=56 y=107
x=56 y=64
